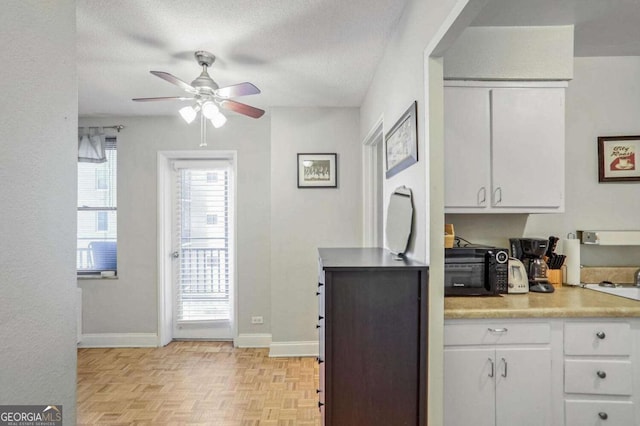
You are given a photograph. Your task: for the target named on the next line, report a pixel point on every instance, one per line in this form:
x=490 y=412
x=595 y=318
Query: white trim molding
x=119 y=340
x=286 y=349
x=259 y=340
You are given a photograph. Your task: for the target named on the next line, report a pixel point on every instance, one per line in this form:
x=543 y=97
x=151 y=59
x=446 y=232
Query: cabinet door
x=527 y=147
x=466 y=147
x=469 y=387
x=523 y=387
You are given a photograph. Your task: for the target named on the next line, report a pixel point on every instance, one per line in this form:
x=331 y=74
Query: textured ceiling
x=299 y=53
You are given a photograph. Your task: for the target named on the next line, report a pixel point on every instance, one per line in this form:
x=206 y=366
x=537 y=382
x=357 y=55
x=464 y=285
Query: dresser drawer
x=496 y=333
x=597 y=338
x=599 y=413
x=602 y=377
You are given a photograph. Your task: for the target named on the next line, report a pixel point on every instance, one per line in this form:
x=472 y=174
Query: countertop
x=565 y=302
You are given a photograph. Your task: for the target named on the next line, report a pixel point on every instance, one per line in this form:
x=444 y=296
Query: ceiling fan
x=208 y=97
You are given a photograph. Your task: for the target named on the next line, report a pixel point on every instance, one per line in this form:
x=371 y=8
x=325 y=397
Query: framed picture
x=401 y=143
x=617 y=158
x=317 y=170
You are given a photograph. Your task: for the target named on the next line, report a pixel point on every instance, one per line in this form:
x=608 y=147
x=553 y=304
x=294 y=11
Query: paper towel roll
x=571 y=248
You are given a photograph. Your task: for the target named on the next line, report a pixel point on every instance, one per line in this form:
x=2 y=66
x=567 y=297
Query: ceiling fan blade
x=174 y=80
x=241 y=89
x=163 y=98
x=242 y=108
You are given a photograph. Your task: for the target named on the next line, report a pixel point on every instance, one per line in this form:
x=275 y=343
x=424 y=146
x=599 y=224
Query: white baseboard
x=258 y=340
x=282 y=349
x=118 y=340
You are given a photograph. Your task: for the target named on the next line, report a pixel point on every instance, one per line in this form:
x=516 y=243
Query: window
x=97 y=214
x=212 y=177
x=212 y=219
x=103 y=222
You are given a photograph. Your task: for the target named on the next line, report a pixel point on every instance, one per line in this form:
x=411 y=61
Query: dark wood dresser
x=372 y=325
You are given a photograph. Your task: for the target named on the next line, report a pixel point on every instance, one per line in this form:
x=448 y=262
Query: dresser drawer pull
x=498 y=330
x=603 y=415
x=601 y=335
x=601 y=374
x=492 y=368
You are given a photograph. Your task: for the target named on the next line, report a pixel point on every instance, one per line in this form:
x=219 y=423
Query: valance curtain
x=91 y=145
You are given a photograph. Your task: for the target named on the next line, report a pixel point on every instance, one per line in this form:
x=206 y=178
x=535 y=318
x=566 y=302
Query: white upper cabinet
x=504 y=147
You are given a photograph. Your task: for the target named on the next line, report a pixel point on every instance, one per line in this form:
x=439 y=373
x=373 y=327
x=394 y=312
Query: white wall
x=304 y=219
x=507 y=53
x=603 y=99
x=129 y=304
x=38 y=151
x=399 y=80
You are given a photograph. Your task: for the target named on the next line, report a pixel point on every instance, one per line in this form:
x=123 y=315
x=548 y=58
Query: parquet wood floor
x=195 y=383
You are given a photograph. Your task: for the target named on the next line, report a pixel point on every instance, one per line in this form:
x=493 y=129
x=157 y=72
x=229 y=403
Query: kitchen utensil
x=518 y=280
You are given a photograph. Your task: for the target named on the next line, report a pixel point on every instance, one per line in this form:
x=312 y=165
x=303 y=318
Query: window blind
x=203 y=225
x=97 y=213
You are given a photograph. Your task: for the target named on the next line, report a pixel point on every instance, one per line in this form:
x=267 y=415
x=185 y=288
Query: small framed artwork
x=617 y=157
x=317 y=170
x=401 y=143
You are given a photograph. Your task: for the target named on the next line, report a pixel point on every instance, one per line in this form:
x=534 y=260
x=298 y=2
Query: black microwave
x=475 y=271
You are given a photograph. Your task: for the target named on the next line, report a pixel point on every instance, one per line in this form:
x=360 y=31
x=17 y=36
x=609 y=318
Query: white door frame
x=165 y=276
x=370 y=199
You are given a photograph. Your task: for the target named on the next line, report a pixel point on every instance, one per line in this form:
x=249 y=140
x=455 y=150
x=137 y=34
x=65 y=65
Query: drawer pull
x=601 y=335
x=317 y=293
x=320 y=404
x=603 y=415
x=320 y=284
x=320 y=361
x=318 y=326
x=492 y=368
x=497 y=330
x=601 y=374
x=320 y=317
x=318 y=391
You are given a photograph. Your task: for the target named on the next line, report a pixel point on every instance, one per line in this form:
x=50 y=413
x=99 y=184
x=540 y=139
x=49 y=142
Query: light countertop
x=565 y=302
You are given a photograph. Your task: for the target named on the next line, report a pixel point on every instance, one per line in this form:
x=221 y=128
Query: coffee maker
x=531 y=251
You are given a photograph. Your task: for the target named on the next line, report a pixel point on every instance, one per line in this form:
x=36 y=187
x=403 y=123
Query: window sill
x=96 y=277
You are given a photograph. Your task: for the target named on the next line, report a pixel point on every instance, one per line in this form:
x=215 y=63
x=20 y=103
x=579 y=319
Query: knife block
x=554 y=276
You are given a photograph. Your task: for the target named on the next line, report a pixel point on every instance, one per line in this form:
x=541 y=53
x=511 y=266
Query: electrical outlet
x=257 y=320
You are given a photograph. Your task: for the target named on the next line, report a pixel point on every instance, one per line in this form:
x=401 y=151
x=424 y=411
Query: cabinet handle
x=601 y=374
x=498 y=330
x=320 y=317
x=492 y=367
x=317 y=325
x=320 y=284
x=482 y=192
x=504 y=361
x=320 y=361
x=601 y=335
x=318 y=391
x=320 y=404
x=603 y=415
x=496 y=199
x=317 y=293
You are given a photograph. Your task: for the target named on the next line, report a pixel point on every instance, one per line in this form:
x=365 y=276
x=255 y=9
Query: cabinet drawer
x=597 y=338
x=603 y=377
x=496 y=334
x=599 y=413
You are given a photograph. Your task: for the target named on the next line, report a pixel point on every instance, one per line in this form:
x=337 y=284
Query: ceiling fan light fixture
x=189 y=113
x=210 y=110
x=218 y=120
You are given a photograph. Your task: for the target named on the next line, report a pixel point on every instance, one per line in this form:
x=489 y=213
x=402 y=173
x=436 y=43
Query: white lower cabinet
x=497 y=374
x=601 y=372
